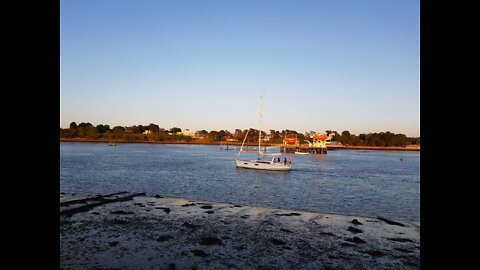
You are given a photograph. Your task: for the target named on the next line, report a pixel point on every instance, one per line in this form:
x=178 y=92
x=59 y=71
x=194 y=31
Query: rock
x=355 y=240
x=391 y=222
x=208 y=241
x=200 y=253
x=354 y=230
x=165 y=209
x=401 y=240
x=163 y=238
x=191 y=226
x=158 y=196
x=240 y=248
x=289 y=214
x=206 y=207
x=113 y=244
x=267 y=222
x=209 y=212
x=356 y=222
x=121 y=212
x=375 y=253
x=188 y=204
x=119 y=221
x=404 y=250
x=277 y=241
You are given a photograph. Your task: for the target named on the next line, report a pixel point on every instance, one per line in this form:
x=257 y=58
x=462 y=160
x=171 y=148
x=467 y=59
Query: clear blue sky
x=200 y=64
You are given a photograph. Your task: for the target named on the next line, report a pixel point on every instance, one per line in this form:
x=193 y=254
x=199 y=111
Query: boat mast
x=241 y=148
x=261 y=114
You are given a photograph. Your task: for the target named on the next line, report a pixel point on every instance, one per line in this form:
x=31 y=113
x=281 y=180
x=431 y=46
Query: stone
x=356 y=222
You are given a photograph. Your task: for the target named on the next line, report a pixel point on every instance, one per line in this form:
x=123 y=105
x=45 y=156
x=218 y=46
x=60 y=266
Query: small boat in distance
x=112 y=144
x=275 y=164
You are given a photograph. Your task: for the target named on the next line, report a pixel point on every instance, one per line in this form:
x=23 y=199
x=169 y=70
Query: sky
x=201 y=64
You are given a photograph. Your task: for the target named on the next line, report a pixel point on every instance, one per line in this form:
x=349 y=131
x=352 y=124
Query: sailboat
x=275 y=164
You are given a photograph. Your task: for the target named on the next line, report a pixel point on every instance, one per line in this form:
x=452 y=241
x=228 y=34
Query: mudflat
x=134 y=231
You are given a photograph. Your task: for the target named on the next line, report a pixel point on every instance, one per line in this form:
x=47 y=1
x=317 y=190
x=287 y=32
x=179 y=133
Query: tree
x=252 y=135
x=91 y=132
x=239 y=135
x=154 y=128
x=345 y=137
x=66 y=133
x=134 y=129
x=102 y=128
x=276 y=136
x=73 y=132
x=354 y=140
x=203 y=133
x=387 y=138
x=213 y=135
x=413 y=140
x=175 y=130
x=82 y=129
x=379 y=142
x=118 y=130
x=335 y=137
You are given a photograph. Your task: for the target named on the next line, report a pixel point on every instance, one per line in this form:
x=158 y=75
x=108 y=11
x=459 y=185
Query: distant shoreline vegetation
x=153 y=133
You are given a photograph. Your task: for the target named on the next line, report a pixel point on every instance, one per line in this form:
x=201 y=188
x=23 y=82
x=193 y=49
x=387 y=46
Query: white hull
x=260 y=164
x=263 y=165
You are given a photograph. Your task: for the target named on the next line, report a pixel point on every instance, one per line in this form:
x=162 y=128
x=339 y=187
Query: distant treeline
x=375 y=139
x=155 y=133
x=131 y=133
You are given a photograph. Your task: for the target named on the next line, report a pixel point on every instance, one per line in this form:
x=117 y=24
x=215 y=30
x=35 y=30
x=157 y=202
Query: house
x=186 y=132
x=230 y=139
x=286 y=141
x=147 y=132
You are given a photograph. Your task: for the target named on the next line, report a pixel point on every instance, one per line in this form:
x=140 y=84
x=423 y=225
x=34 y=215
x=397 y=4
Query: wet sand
x=134 y=231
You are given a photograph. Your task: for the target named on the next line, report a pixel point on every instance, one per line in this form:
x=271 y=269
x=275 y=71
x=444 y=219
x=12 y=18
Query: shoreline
x=234 y=143
x=134 y=231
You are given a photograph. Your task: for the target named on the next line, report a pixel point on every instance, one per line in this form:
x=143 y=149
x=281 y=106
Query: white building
x=186 y=132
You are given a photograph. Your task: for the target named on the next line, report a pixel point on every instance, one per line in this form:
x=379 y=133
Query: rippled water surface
x=348 y=182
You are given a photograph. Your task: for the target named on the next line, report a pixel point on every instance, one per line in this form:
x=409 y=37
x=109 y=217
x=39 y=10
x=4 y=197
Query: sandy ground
x=132 y=231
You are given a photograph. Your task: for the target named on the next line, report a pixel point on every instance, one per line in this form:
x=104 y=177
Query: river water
x=347 y=182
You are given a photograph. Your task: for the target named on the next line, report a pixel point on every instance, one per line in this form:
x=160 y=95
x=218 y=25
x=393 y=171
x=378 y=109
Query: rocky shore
x=134 y=231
